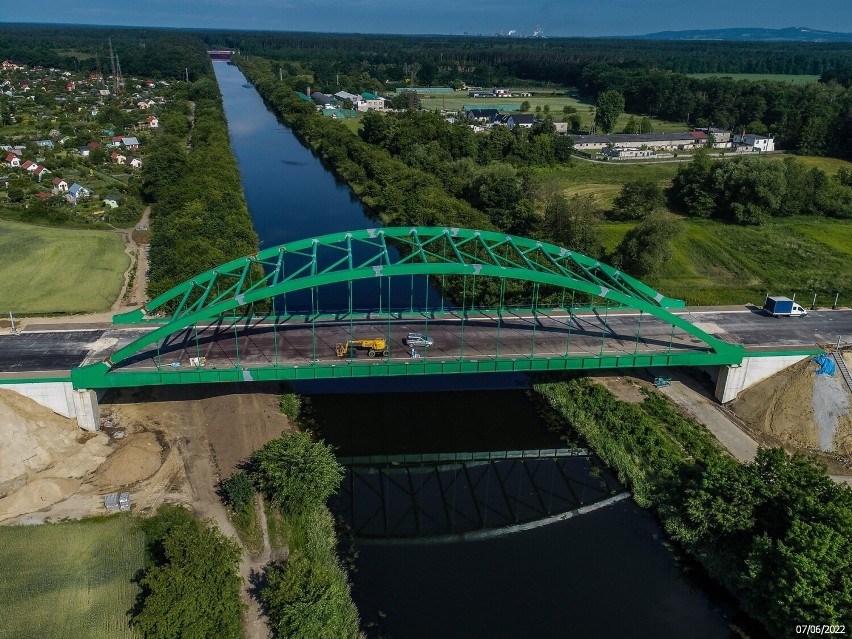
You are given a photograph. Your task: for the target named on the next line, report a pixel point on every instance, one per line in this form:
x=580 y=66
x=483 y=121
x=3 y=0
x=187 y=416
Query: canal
x=472 y=545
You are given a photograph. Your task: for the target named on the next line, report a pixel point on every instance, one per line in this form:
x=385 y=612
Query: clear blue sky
x=556 y=17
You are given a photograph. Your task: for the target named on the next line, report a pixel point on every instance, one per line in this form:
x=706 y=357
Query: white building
x=759 y=143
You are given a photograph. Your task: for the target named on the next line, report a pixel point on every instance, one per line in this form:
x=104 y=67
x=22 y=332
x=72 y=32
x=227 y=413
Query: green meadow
x=48 y=270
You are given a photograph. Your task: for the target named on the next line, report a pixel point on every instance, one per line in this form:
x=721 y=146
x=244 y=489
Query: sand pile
x=799 y=409
x=45 y=458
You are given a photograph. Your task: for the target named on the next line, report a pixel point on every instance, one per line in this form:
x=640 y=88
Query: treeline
x=199 y=215
x=749 y=191
x=398 y=194
x=812 y=118
x=485 y=61
x=776 y=532
x=151 y=53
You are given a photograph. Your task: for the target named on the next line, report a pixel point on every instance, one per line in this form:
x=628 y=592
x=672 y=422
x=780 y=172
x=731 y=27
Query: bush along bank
x=308 y=594
x=776 y=533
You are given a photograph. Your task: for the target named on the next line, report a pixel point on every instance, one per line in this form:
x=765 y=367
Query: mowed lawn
x=717 y=263
x=70 y=579
x=54 y=270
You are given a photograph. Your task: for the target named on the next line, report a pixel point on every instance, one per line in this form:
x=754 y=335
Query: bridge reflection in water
x=450 y=497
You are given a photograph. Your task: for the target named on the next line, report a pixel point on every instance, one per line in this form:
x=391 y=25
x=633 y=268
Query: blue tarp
x=826 y=365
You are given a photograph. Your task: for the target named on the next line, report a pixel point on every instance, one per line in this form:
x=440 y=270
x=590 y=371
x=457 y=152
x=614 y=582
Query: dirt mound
x=135 y=461
x=799 y=409
x=37 y=494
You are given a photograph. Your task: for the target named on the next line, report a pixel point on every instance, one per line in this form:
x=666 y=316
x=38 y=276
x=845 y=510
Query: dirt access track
x=163 y=445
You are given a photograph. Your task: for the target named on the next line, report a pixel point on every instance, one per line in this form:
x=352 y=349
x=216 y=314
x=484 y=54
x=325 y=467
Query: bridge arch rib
x=368 y=254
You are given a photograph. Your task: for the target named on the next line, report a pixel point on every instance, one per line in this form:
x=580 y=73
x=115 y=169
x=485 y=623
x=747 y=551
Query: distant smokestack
x=309 y=92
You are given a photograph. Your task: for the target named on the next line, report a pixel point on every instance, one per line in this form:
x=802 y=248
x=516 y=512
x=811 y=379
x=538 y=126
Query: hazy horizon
x=564 y=18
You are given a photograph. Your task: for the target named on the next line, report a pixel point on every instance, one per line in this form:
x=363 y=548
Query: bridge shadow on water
x=451 y=497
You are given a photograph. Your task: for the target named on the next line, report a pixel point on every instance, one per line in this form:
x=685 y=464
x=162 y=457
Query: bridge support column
x=732 y=379
x=63 y=399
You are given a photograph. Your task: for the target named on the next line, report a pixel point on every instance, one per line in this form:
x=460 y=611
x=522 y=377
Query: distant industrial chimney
x=308 y=92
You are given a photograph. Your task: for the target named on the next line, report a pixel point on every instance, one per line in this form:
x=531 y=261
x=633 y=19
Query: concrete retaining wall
x=61 y=398
x=733 y=379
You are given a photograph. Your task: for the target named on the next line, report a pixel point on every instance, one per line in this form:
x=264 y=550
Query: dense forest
x=151 y=53
x=814 y=119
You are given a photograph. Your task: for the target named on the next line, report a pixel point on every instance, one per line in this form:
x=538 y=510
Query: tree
x=609 y=107
x=632 y=125
x=574 y=121
x=308 y=599
x=647 y=246
x=569 y=109
x=638 y=199
x=525 y=106
x=295 y=472
x=195 y=592
x=646 y=125
x=573 y=224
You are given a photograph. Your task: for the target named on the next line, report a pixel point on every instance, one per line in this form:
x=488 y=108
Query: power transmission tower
x=117 y=80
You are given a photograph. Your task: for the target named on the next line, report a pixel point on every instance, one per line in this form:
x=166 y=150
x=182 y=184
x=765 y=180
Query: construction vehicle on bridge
x=377 y=347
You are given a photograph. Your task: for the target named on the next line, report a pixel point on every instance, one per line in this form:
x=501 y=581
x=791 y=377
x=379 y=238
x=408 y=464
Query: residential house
x=345 y=95
x=561 y=127
x=131 y=144
x=112 y=200
x=754 y=143
x=370 y=102
x=136 y=163
x=41 y=171
x=481 y=115
x=12 y=160
x=77 y=192
x=522 y=120
x=84 y=151
x=118 y=158
x=30 y=166
x=153 y=122
x=60 y=185
x=501 y=92
x=45 y=144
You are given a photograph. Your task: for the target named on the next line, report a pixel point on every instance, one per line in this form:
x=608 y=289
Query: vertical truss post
x=605 y=328
x=197 y=346
x=534 y=305
x=638 y=332
x=500 y=315
x=275 y=334
x=671 y=339
x=351 y=327
x=442 y=275
x=464 y=312
x=388 y=343
x=313 y=323
x=159 y=361
x=570 y=320
x=411 y=294
x=236 y=342
x=426 y=322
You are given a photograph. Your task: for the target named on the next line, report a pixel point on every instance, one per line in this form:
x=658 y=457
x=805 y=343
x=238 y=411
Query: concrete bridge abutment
x=63 y=399
x=733 y=379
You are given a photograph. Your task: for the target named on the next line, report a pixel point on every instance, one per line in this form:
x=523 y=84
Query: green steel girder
x=427 y=251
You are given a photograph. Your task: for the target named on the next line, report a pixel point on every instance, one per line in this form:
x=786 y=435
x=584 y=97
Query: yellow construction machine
x=377 y=347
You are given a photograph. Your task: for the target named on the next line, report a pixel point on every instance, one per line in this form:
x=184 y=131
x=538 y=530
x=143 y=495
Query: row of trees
x=777 y=532
x=200 y=218
x=748 y=190
x=813 y=118
x=307 y=595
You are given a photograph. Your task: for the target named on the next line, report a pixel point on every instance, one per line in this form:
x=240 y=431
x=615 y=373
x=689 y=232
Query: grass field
x=53 y=270
x=556 y=103
x=70 y=579
x=718 y=263
x=773 y=77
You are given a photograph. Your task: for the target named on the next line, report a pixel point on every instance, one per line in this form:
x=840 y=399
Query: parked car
x=418 y=339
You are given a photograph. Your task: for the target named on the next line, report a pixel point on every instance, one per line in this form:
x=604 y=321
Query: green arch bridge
x=519 y=305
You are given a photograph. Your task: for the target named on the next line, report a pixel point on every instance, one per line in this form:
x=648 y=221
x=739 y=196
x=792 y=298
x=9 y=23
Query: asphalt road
x=293 y=343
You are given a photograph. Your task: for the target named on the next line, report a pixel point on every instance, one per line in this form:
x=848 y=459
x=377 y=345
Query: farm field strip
x=70 y=579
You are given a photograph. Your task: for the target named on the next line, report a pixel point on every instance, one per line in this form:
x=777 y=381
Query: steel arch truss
x=312 y=263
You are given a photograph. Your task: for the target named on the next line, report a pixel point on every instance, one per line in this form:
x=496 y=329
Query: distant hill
x=791 y=34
